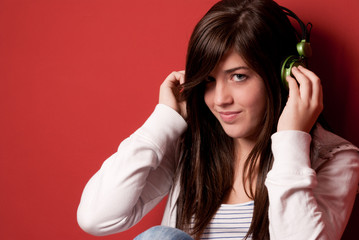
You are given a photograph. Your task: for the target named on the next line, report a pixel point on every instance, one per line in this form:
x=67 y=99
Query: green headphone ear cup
x=304 y=49
x=288 y=64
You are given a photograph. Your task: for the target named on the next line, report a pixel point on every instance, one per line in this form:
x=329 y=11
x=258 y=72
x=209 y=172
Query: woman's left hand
x=305 y=102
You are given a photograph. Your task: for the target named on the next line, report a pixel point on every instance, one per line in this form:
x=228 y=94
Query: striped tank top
x=231 y=221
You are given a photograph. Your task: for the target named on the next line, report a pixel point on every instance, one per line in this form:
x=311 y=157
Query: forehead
x=230 y=60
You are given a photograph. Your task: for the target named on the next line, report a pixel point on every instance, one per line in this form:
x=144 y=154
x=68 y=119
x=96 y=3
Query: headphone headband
x=303 y=48
x=306 y=28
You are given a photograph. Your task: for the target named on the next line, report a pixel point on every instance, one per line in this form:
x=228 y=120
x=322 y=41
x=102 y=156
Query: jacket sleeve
x=304 y=203
x=134 y=179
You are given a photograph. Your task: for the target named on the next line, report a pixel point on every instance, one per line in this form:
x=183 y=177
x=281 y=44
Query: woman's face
x=236 y=95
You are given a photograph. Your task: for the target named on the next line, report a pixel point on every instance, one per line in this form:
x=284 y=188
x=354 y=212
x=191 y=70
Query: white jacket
x=311 y=192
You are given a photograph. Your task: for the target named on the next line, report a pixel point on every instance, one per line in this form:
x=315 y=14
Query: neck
x=238 y=195
x=242 y=148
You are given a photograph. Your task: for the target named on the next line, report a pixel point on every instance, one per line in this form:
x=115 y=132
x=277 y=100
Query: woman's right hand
x=170 y=92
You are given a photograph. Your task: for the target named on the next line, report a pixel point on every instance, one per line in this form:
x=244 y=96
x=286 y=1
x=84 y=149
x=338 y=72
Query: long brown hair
x=262 y=34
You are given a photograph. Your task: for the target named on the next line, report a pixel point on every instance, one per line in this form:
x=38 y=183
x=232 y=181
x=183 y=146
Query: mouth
x=230 y=116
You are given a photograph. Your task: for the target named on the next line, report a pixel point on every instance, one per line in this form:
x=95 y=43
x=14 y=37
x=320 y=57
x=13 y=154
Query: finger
x=307 y=72
x=174 y=79
x=293 y=87
x=317 y=92
x=182 y=79
x=305 y=85
x=178 y=81
x=179 y=76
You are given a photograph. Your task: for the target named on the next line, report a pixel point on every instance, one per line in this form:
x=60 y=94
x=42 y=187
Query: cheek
x=255 y=102
x=259 y=104
x=208 y=98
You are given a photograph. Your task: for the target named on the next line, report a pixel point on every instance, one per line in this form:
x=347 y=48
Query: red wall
x=78 y=76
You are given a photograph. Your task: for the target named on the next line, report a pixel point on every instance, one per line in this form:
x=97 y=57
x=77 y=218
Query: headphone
x=303 y=48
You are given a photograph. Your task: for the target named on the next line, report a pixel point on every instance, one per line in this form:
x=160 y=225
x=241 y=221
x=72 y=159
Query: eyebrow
x=235 y=69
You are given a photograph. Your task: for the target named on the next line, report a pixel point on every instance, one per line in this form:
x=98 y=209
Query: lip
x=229 y=116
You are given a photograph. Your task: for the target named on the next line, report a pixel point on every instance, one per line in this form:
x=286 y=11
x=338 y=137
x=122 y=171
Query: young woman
x=240 y=154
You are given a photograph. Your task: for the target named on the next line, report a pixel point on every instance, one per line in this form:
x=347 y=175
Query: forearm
x=293 y=210
x=135 y=178
x=307 y=203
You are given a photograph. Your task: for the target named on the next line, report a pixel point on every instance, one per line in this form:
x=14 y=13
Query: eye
x=239 y=77
x=209 y=79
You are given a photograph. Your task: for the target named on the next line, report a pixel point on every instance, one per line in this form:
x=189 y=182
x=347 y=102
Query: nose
x=222 y=94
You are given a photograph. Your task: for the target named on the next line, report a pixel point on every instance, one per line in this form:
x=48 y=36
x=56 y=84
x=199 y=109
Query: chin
x=239 y=133
x=236 y=134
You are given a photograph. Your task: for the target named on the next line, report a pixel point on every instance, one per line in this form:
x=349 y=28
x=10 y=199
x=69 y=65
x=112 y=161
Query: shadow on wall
x=352 y=230
x=336 y=76
x=332 y=72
